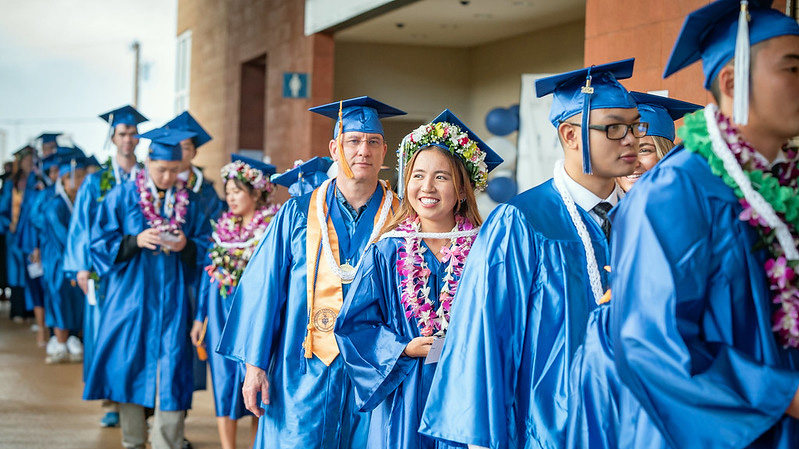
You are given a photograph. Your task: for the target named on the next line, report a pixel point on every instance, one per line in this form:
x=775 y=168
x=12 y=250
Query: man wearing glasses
x=283 y=314
x=534 y=274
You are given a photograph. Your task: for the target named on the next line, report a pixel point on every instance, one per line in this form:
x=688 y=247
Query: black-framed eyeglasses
x=618 y=131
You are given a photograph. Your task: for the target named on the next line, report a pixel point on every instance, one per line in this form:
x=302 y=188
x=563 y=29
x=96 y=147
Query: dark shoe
x=187 y=444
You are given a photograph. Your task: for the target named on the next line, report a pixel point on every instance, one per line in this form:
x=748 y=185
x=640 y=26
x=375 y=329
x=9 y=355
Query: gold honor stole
x=325 y=301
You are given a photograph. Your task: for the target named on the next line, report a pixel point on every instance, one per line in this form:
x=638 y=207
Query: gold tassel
x=345 y=166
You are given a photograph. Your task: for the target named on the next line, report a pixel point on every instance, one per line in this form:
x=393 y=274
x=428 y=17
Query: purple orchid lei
x=781 y=273
x=415 y=275
x=150 y=206
x=234 y=245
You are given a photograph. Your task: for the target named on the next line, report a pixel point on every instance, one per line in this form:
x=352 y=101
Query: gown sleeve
x=472 y=394
x=257 y=311
x=202 y=299
x=77 y=256
x=108 y=231
x=699 y=393
x=368 y=335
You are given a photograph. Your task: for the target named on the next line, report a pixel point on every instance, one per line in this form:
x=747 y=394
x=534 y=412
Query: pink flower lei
x=150 y=206
x=781 y=273
x=415 y=275
x=234 y=244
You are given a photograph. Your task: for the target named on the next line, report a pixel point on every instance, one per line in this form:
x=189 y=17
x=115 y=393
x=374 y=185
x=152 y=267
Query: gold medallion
x=324 y=319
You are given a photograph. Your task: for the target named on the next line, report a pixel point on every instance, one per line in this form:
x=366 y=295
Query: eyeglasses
x=355 y=143
x=618 y=131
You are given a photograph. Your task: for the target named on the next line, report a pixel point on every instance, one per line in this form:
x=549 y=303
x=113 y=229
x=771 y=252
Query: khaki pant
x=167 y=428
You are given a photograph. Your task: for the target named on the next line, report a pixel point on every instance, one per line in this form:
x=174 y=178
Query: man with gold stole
x=284 y=311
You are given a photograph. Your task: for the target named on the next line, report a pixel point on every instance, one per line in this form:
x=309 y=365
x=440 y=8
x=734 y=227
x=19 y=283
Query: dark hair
x=263 y=198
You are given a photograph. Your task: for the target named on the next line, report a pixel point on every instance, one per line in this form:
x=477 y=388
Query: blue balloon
x=501 y=121
x=501 y=189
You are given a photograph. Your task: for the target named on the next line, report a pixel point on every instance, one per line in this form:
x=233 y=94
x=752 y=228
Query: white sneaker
x=34 y=327
x=51 y=346
x=75 y=349
x=59 y=355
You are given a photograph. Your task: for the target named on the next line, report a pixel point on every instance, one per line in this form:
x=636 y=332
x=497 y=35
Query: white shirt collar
x=184 y=176
x=585 y=198
x=779 y=159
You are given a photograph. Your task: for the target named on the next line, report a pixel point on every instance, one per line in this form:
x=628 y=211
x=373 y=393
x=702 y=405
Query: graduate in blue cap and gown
x=399 y=302
x=17 y=195
x=305 y=176
x=533 y=276
x=64 y=300
x=190 y=173
x=596 y=394
x=28 y=233
x=195 y=180
x=235 y=236
x=147 y=236
x=123 y=133
x=282 y=318
x=703 y=308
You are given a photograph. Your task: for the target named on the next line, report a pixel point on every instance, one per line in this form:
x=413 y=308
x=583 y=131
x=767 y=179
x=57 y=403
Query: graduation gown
x=77 y=255
x=145 y=320
x=372 y=331
x=16 y=264
x=213 y=207
x=311 y=405
x=691 y=316
x=29 y=230
x=227 y=376
x=518 y=316
x=65 y=300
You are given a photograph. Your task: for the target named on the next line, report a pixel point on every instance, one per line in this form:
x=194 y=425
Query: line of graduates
x=645 y=296
x=584 y=316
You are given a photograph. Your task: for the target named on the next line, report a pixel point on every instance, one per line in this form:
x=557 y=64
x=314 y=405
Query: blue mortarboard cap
x=49 y=162
x=267 y=169
x=583 y=90
x=661 y=112
x=126 y=115
x=24 y=151
x=709 y=34
x=92 y=161
x=48 y=137
x=492 y=159
x=70 y=159
x=165 y=143
x=185 y=122
x=361 y=114
x=305 y=177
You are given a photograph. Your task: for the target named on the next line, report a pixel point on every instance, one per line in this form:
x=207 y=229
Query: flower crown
x=449 y=137
x=246 y=173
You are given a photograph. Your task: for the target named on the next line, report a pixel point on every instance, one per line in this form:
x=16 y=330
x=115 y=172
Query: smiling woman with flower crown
x=400 y=300
x=236 y=234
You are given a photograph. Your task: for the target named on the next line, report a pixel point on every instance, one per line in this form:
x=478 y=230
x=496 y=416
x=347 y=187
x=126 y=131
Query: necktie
x=601 y=210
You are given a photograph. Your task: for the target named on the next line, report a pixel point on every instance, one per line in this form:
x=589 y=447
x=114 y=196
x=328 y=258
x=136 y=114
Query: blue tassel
x=588 y=91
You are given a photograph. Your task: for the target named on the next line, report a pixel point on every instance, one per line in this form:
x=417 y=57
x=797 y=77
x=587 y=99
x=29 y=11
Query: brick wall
x=646 y=30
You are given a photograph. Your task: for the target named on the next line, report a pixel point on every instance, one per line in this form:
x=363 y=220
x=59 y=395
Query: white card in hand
x=435 y=351
x=91 y=297
x=35 y=270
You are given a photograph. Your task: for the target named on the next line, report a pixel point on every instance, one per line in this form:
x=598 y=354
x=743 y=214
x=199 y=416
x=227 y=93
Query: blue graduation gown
x=150 y=336
x=372 y=332
x=311 y=404
x=65 y=300
x=519 y=314
x=691 y=316
x=30 y=229
x=77 y=256
x=213 y=207
x=16 y=264
x=227 y=376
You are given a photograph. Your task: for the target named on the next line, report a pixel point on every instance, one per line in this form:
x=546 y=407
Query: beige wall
x=470 y=81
